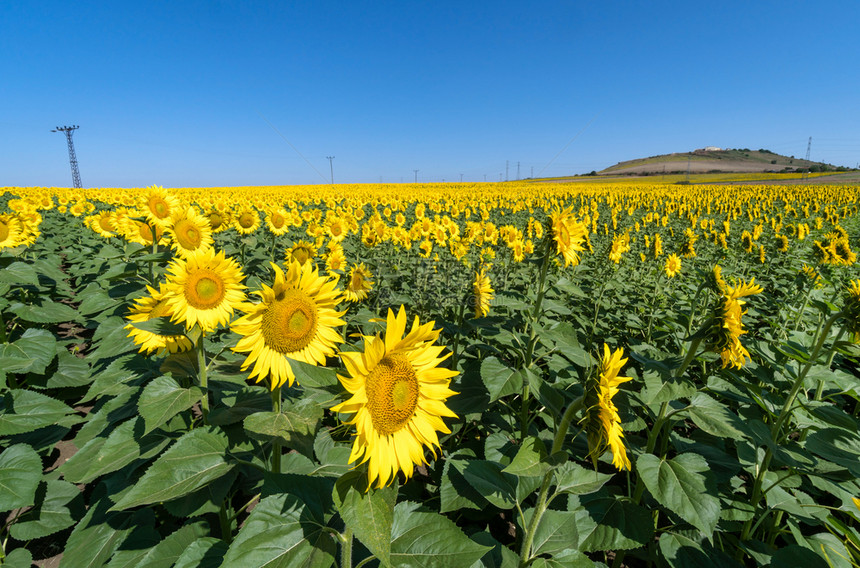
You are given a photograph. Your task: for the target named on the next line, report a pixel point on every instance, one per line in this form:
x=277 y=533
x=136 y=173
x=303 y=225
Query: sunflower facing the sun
x=204 y=289
x=296 y=319
x=398 y=398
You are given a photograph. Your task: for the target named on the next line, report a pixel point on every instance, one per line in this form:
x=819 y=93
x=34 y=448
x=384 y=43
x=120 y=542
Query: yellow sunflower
x=358 y=284
x=482 y=294
x=246 y=220
x=673 y=265
x=296 y=319
x=190 y=232
x=276 y=220
x=104 y=223
x=398 y=398
x=158 y=205
x=147 y=308
x=10 y=231
x=301 y=252
x=602 y=422
x=851 y=311
x=727 y=329
x=569 y=235
x=204 y=289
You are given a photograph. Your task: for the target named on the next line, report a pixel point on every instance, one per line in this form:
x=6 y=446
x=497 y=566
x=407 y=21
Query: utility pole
x=73 y=160
x=518 y=171
x=506 y=170
x=331 y=167
x=416 y=175
x=461 y=178
x=808 y=151
x=485 y=176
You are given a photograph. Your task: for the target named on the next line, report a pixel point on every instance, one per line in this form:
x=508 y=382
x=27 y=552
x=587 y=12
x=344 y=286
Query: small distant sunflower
x=204 y=289
x=219 y=221
x=657 y=247
x=246 y=221
x=673 y=265
x=358 y=284
x=151 y=307
x=296 y=319
x=301 y=252
x=190 y=232
x=103 y=223
x=781 y=242
x=482 y=293
x=602 y=421
x=620 y=245
x=10 y=231
x=747 y=241
x=813 y=276
x=398 y=398
x=335 y=260
x=158 y=205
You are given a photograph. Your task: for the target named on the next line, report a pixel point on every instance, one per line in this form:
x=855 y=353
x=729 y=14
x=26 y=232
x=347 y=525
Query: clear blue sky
x=189 y=93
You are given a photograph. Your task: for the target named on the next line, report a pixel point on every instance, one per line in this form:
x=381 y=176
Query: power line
x=73 y=159
x=331 y=167
x=291 y=146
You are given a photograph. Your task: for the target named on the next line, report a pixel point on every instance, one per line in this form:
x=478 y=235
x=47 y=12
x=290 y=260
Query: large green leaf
x=609 y=523
x=570 y=477
x=530 y=460
x=30 y=353
x=428 y=540
x=682 y=549
x=500 y=379
x=367 y=512
x=685 y=486
x=455 y=491
x=20 y=274
x=46 y=311
x=281 y=532
x=839 y=446
x=52 y=512
x=72 y=371
x=715 y=418
x=196 y=459
x=492 y=483
x=163 y=398
x=25 y=410
x=96 y=537
x=18 y=558
x=555 y=532
x=295 y=426
x=205 y=552
x=20 y=473
x=167 y=552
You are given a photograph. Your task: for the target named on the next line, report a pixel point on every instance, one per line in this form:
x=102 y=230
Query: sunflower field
x=514 y=375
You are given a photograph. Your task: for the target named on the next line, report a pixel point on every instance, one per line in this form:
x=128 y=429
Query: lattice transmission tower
x=808 y=151
x=73 y=160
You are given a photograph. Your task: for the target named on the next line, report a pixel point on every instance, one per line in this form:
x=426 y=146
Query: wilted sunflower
x=673 y=265
x=602 y=422
x=569 y=235
x=151 y=307
x=482 y=293
x=398 y=398
x=190 y=232
x=204 y=289
x=358 y=284
x=10 y=231
x=296 y=319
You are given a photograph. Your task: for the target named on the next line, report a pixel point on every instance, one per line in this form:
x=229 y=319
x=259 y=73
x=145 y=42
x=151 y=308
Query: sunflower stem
x=540 y=507
x=201 y=376
x=346 y=549
x=276 y=442
x=2 y=328
x=533 y=338
x=784 y=414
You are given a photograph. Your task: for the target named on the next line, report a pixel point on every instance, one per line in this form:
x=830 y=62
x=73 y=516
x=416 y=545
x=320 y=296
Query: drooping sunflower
x=10 y=231
x=204 y=289
x=398 y=398
x=158 y=205
x=569 y=235
x=103 y=223
x=724 y=337
x=147 y=308
x=297 y=319
x=673 y=265
x=190 y=232
x=358 y=284
x=620 y=245
x=602 y=421
x=482 y=293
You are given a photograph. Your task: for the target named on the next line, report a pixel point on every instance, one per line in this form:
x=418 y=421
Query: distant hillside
x=712 y=160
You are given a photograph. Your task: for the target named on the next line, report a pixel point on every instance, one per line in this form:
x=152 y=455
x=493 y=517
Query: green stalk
x=454 y=351
x=276 y=442
x=201 y=375
x=533 y=337
x=224 y=520
x=541 y=505
x=2 y=328
x=784 y=415
x=346 y=549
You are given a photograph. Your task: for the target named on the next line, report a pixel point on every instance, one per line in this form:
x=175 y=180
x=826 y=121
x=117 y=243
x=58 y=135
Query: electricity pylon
x=73 y=160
